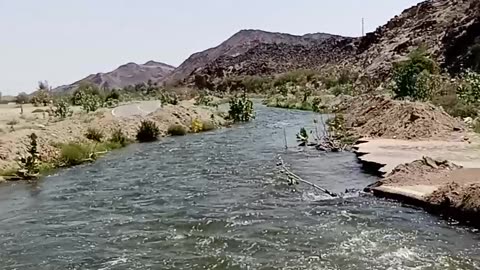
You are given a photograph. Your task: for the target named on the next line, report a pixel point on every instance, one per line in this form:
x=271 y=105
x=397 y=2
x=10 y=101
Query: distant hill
x=128 y=74
x=239 y=45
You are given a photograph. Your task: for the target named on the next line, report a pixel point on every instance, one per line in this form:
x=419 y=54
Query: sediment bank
x=72 y=130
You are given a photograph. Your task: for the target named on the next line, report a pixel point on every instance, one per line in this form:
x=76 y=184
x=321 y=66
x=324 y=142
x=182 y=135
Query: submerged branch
x=299 y=179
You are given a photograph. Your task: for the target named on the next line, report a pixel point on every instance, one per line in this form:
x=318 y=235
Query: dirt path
x=142 y=108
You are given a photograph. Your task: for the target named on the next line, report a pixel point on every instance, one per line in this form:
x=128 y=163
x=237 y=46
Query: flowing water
x=216 y=201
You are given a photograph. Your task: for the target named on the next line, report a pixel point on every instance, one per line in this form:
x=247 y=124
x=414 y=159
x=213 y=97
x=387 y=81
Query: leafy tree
x=43 y=95
x=406 y=75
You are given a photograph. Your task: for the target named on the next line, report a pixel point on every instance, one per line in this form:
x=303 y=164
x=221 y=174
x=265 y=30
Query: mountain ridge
x=127 y=74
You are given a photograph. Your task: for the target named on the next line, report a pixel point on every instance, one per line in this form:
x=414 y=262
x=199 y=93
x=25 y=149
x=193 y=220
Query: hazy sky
x=65 y=40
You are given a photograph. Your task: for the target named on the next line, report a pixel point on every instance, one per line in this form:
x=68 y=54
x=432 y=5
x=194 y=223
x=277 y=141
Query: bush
x=29 y=164
x=94 y=134
x=177 y=130
x=412 y=76
x=119 y=137
x=72 y=154
x=148 y=131
x=90 y=103
x=196 y=126
x=241 y=109
x=83 y=90
x=62 y=109
x=469 y=89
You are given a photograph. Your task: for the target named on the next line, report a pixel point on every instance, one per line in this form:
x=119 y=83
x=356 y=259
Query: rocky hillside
x=246 y=45
x=128 y=74
x=446 y=28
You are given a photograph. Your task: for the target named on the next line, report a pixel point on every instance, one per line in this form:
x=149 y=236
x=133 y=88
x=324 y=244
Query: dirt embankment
x=382 y=117
x=455 y=190
x=73 y=128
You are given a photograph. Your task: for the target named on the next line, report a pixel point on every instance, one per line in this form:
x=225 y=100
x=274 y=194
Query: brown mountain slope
x=128 y=74
x=240 y=45
x=447 y=29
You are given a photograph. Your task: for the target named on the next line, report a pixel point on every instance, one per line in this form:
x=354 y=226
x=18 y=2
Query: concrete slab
x=392 y=152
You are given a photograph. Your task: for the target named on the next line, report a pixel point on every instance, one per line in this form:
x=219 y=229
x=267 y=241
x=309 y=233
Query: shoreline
x=71 y=131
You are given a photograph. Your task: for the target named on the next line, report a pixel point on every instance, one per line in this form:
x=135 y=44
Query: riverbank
x=53 y=133
x=426 y=157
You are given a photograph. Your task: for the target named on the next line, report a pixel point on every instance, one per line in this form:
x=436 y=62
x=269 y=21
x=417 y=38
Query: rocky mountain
x=128 y=74
x=448 y=29
x=243 y=45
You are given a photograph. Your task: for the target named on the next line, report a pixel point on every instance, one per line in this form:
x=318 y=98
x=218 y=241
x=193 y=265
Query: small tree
x=406 y=75
x=29 y=164
x=43 y=95
x=241 y=109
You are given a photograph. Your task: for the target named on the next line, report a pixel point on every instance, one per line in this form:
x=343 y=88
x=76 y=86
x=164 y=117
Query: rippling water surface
x=217 y=201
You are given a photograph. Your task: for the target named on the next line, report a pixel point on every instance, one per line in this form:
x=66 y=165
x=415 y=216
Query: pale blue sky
x=65 y=40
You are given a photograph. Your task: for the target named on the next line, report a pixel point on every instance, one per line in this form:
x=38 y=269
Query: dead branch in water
x=297 y=178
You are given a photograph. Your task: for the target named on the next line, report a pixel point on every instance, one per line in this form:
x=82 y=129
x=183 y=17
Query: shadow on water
x=217 y=201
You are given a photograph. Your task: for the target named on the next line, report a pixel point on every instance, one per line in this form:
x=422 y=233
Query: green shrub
x=148 y=131
x=412 y=76
x=29 y=164
x=90 y=103
x=469 y=89
x=72 y=154
x=241 y=109
x=62 y=109
x=94 y=134
x=177 y=130
x=119 y=137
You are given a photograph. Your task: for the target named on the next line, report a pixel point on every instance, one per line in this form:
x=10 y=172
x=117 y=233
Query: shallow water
x=216 y=201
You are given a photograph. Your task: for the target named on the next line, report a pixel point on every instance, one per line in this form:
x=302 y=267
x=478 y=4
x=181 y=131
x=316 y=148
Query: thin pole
x=285 y=137
x=363 y=27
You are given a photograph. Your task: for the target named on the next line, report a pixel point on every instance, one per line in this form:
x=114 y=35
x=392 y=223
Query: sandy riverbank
x=51 y=132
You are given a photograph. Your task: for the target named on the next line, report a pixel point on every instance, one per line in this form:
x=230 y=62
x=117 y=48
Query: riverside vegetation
x=99 y=140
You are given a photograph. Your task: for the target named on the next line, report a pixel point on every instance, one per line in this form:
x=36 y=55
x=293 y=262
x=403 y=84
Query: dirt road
x=142 y=108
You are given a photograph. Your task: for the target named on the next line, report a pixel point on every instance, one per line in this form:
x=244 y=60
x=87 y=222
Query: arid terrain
x=51 y=131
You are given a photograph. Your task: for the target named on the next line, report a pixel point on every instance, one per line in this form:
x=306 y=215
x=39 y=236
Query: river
x=216 y=201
